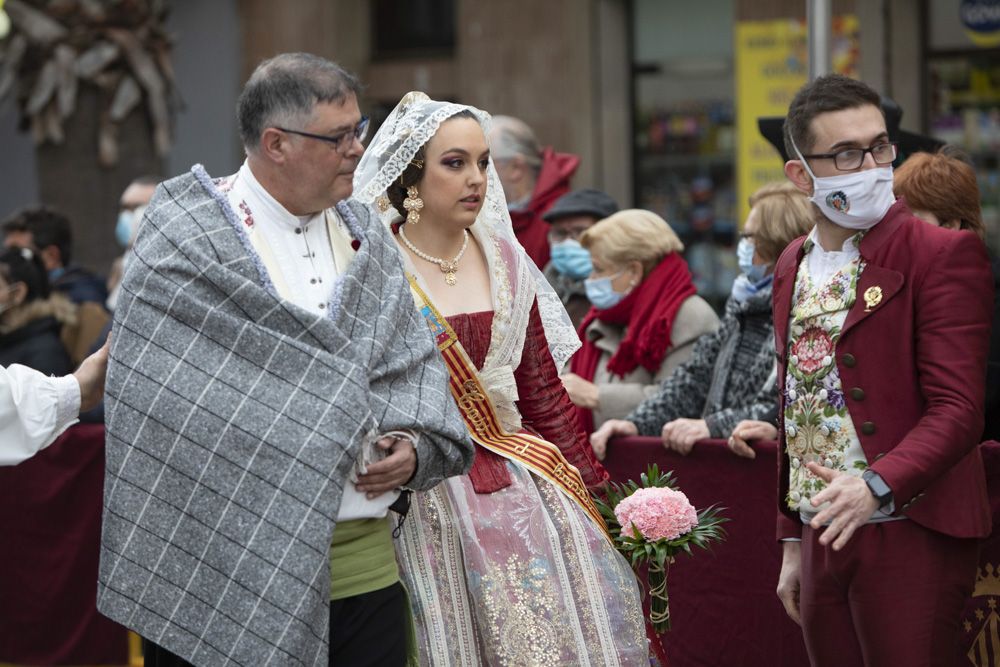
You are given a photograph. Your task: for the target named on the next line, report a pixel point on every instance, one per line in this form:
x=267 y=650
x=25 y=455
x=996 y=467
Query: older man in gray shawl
x=270 y=382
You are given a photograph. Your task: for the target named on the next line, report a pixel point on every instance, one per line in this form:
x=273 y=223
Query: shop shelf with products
x=964 y=111
x=685 y=173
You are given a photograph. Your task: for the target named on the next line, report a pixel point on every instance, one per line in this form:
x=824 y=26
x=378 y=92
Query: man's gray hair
x=511 y=136
x=287 y=88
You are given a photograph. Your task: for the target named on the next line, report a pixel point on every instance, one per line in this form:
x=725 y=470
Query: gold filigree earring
x=413 y=203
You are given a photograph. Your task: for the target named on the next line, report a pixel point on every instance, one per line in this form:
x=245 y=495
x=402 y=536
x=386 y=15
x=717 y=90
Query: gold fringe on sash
x=538 y=455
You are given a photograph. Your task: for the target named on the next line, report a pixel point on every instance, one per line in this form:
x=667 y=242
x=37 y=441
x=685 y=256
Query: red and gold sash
x=540 y=456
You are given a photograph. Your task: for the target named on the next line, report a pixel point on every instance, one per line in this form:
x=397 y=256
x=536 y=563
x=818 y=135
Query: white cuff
x=68 y=401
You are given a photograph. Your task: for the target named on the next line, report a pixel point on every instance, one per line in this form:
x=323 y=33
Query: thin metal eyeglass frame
x=360 y=132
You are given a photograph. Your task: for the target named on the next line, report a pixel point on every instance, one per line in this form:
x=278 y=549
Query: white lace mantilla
x=516 y=281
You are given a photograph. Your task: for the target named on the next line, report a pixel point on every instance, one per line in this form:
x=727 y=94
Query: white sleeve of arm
x=34 y=410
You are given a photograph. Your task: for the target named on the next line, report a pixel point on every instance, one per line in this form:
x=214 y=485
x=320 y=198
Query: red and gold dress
x=502 y=567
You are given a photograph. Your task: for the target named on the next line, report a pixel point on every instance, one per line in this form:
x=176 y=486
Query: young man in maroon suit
x=882 y=326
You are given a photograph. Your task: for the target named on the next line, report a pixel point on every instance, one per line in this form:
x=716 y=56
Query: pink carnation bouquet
x=651 y=523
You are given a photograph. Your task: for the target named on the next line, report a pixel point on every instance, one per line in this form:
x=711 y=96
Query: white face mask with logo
x=854 y=200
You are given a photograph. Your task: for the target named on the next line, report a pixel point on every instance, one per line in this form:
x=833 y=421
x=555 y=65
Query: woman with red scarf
x=644 y=320
x=730 y=376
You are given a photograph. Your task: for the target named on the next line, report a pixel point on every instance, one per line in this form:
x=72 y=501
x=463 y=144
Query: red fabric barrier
x=50 y=529
x=723 y=604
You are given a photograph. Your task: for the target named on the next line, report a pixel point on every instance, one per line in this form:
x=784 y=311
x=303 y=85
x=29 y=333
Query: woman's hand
x=612 y=428
x=681 y=434
x=747 y=431
x=583 y=393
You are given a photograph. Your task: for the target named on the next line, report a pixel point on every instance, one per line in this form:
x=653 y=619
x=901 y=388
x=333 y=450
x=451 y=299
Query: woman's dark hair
x=414 y=173
x=21 y=265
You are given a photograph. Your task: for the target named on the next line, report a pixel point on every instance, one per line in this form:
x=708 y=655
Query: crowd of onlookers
x=54 y=312
x=656 y=359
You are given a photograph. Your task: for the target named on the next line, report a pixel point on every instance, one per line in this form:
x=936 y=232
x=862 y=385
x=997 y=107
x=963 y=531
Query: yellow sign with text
x=772 y=63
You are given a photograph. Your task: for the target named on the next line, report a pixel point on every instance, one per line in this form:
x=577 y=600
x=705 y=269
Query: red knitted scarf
x=648 y=315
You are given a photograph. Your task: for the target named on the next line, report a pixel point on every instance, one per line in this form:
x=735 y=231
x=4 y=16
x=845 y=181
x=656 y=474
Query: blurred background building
x=658 y=97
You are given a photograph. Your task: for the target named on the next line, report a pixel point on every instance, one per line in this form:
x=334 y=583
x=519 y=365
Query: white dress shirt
x=300 y=249
x=34 y=410
x=824 y=263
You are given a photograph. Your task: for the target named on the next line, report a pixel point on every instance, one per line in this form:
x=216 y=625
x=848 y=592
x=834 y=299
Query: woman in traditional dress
x=508 y=565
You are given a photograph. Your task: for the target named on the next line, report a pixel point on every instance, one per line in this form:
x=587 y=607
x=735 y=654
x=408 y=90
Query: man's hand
x=681 y=434
x=612 y=428
x=90 y=376
x=581 y=392
x=391 y=472
x=851 y=505
x=790 y=578
x=747 y=431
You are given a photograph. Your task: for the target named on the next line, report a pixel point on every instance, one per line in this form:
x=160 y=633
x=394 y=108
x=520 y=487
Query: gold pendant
x=450 y=278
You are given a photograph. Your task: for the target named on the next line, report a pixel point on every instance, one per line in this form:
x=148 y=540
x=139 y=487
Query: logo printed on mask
x=852 y=200
x=838 y=201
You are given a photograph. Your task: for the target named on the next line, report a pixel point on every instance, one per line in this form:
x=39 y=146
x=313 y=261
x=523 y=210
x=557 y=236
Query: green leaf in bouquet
x=659 y=554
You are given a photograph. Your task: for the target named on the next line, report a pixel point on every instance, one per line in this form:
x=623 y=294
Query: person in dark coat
x=49 y=234
x=570 y=264
x=30 y=318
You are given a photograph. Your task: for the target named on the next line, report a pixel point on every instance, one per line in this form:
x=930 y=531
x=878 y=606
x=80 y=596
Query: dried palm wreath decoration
x=118 y=46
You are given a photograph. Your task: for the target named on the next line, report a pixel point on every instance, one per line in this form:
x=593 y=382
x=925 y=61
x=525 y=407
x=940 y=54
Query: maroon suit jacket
x=912 y=368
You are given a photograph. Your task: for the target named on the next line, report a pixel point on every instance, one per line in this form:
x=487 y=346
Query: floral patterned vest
x=818 y=426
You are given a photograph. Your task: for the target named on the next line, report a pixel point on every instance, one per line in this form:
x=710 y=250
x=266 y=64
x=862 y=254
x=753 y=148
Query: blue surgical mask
x=601 y=293
x=123 y=230
x=744 y=254
x=571 y=259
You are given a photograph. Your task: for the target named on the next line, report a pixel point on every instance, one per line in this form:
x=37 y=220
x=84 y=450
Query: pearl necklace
x=448 y=268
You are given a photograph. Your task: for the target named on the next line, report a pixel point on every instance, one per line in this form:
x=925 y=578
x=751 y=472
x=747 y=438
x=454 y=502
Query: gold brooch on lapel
x=873 y=297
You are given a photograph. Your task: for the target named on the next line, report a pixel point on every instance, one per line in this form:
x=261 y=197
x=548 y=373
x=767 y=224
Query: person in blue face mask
x=131 y=206
x=133 y=201
x=570 y=263
x=755 y=273
x=645 y=317
x=729 y=376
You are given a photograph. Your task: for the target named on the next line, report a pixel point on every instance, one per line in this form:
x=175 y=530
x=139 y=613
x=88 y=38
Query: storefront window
x=684 y=144
x=965 y=112
x=963 y=93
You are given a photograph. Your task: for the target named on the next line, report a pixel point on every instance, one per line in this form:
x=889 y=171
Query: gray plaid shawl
x=233 y=420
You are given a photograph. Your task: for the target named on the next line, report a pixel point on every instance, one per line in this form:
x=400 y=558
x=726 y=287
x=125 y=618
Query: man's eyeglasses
x=560 y=235
x=359 y=132
x=852 y=158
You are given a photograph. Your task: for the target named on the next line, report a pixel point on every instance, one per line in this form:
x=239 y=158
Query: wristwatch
x=878 y=487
